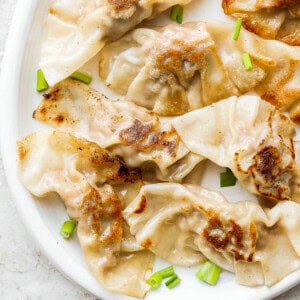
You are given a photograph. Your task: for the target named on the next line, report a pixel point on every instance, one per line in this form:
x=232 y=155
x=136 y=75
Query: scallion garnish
x=177 y=13
x=209 y=273
x=154 y=280
x=81 y=77
x=247 y=62
x=41 y=83
x=237 y=30
x=173 y=281
x=166 y=272
x=68 y=228
x=227 y=178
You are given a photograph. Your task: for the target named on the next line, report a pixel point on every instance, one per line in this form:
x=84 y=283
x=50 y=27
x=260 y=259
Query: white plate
x=43 y=218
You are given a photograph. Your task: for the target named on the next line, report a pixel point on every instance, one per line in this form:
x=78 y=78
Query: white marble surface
x=24 y=272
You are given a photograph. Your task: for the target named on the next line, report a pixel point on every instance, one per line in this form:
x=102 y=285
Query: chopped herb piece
x=174 y=12
x=81 y=77
x=209 y=273
x=173 y=281
x=166 y=272
x=247 y=62
x=41 y=83
x=68 y=228
x=227 y=178
x=154 y=280
x=177 y=13
x=237 y=30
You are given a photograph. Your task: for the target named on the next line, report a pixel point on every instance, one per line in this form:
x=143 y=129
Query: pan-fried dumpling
x=129 y=131
x=79 y=172
x=155 y=222
x=199 y=64
x=171 y=219
x=280 y=64
x=170 y=70
x=249 y=136
x=274 y=19
x=76 y=30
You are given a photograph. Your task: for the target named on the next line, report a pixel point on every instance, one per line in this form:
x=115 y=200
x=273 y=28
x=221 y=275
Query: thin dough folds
x=80 y=173
x=175 y=69
x=240 y=237
x=249 y=136
x=77 y=29
x=140 y=137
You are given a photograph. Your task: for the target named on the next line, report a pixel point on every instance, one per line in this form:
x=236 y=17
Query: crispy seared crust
x=275 y=20
x=96 y=208
x=230 y=237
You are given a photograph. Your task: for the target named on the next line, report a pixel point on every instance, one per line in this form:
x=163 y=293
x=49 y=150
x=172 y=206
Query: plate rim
x=10 y=76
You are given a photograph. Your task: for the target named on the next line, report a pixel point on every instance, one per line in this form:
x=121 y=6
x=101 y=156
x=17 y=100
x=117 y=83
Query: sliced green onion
x=209 y=273
x=247 y=62
x=174 y=12
x=81 y=77
x=68 y=228
x=154 y=280
x=227 y=178
x=166 y=272
x=237 y=30
x=177 y=13
x=173 y=281
x=41 y=83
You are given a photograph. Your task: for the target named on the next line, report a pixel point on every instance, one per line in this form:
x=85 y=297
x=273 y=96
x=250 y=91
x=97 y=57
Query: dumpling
x=171 y=219
x=274 y=19
x=129 y=131
x=175 y=69
x=276 y=68
x=249 y=136
x=80 y=173
x=170 y=70
x=154 y=219
x=76 y=30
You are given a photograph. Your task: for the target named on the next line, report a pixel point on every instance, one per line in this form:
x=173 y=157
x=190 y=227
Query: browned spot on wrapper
x=142 y=205
x=122 y=4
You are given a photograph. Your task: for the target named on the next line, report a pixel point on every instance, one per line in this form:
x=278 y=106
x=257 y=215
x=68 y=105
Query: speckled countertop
x=24 y=271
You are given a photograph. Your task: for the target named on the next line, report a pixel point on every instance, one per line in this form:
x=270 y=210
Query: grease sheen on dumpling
x=83 y=175
x=77 y=29
x=249 y=136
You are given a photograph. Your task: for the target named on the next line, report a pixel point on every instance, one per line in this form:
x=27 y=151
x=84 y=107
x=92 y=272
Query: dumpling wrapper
x=240 y=237
x=279 y=63
x=79 y=172
x=274 y=19
x=129 y=131
x=175 y=69
x=76 y=30
x=249 y=136
x=170 y=70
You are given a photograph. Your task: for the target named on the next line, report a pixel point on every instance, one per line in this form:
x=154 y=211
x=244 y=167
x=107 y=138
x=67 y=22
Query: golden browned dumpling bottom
x=269 y=19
